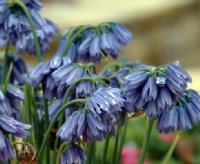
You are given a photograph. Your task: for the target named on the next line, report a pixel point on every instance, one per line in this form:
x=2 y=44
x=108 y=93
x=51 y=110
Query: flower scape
x=63 y=106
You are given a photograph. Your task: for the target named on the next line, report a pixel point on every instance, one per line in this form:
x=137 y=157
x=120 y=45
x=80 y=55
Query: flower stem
x=122 y=140
x=90 y=152
x=76 y=101
x=57 y=140
x=5 y=85
x=5 y=62
x=105 y=150
x=148 y=129
x=62 y=147
x=171 y=150
x=35 y=123
x=46 y=127
x=114 y=159
x=28 y=15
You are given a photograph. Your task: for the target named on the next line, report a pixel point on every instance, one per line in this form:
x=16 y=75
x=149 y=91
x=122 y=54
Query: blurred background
x=164 y=31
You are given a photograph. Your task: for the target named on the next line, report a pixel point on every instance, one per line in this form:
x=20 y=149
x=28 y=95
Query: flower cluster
x=103 y=40
x=94 y=120
x=183 y=115
x=154 y=90
x=9 y=124
x=15 y=26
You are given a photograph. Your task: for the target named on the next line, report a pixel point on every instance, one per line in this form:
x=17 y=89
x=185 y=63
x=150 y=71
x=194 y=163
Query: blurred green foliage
x=157 y=148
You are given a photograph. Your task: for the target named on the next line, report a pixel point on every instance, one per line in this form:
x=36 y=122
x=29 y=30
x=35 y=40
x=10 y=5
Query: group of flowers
x=107 y=97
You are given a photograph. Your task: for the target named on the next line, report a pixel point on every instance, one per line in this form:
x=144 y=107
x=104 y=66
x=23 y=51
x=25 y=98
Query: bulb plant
x=62 y=107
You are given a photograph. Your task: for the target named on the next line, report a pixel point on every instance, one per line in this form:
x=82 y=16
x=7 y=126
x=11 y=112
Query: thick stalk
x=171 y=150
x=35 y=123
x=90 y=152
x=76 y=101
x=114 y=159
x=105 y=150
x=46 y=127
x=148 y=129
x=28 y=15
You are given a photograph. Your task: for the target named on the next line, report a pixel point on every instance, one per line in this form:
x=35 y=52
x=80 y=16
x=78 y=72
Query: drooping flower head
x=9 y=120
x=103 y=40
x=95 y=119
x=183 y=115
x=73 y=154
x=15 y=26
x=155 y=89
x=106 y=40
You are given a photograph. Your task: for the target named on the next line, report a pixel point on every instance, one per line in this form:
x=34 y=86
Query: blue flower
x=153 y=89
x=82 y=123
x=98 y=117
x=6 y=151
x=38 y=74
x=183 y=115
x=104 y=40
x=84 y=89
x=64 y=76
x=13 y=98
x=15 y=26
x=54 y=108
x=9 y=120
x=106 y=101
x=73 y=154
x=14 y=127
x=10 y=103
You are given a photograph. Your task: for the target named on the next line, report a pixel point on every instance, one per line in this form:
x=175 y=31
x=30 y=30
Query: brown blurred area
x=163 y=30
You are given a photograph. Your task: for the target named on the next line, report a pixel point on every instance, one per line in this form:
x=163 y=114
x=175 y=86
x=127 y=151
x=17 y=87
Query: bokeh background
x=164 y=31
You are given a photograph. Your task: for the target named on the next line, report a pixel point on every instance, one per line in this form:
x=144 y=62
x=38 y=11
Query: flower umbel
x=154 y=90
x=183 y=115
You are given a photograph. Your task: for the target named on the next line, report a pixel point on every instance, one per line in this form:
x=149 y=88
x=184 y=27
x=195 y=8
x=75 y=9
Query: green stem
x=28 y=15
x=171 y=150
x=27 y=98
x=114 y=159
x=83 y=101
x=57 y=140
x=46 y=127
x=62 y=147
x=148 y=129
x=7 y=79
x=105 y=150
x=35 y=123
x=90 y=152
x=5 y=62
x=122 y=140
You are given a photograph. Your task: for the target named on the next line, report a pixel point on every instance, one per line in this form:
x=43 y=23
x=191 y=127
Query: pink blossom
x=130 y=155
